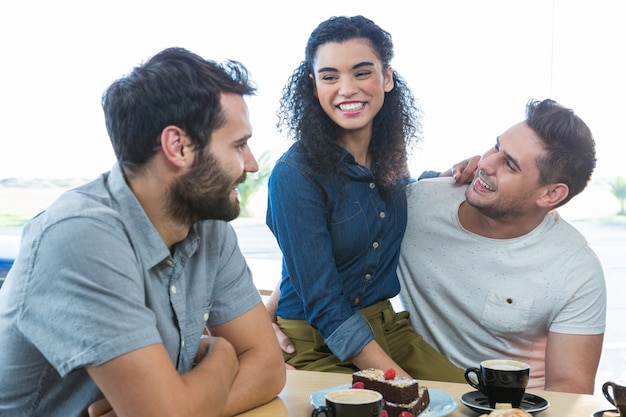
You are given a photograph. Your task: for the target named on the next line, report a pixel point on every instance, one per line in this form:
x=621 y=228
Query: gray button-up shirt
x=93 y=280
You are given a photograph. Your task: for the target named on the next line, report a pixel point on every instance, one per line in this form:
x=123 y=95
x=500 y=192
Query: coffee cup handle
x=476 y=372
x=605 y=391
x=327 y=411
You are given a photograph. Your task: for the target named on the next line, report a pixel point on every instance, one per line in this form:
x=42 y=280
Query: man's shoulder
x=91 y=211
x=433 y=189
x=565 y=229
x=442 y=182
x=556 y=232
x=91 y=200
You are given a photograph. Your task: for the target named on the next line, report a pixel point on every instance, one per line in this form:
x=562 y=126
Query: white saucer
x=477 y=401
x=441 y=403
x=600 y=413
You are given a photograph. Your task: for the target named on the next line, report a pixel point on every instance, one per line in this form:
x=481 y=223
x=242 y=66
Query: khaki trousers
x=392 y=332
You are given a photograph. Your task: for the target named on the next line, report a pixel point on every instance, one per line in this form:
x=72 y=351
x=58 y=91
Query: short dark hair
x=571 y=149
x=175 y=87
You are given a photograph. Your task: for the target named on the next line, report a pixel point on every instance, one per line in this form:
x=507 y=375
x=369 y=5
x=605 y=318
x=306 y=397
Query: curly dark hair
x=396 y=127
x=571 y=150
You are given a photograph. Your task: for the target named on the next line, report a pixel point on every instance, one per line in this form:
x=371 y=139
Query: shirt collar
x=150 y=246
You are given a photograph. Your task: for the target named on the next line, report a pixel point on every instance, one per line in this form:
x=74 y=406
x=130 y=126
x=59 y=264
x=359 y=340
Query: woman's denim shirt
x=340 y=242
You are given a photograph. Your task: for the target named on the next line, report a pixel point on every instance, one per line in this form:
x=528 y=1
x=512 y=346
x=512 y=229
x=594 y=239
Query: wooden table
x=294 y=400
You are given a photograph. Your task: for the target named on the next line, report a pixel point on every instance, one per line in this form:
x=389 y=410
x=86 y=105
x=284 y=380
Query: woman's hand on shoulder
x=463 y=171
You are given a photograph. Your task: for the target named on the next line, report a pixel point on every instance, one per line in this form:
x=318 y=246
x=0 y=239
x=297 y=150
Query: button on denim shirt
x=340 y=242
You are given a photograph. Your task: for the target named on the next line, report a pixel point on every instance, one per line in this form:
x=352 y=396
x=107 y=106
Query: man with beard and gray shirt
x=130 y=294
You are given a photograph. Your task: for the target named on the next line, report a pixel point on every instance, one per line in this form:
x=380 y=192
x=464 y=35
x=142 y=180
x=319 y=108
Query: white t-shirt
x=475 y=298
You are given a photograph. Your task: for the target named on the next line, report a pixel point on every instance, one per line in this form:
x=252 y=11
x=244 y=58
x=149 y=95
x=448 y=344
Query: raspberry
x=390 y=373
x=383 y=413
x=358 y=385
x=406 y=414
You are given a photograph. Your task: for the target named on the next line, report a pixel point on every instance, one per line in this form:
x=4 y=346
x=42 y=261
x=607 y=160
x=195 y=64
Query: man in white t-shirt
x=490 y=270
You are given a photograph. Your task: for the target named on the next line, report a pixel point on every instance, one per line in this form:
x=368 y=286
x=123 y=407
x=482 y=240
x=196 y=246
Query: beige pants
x=392 y=332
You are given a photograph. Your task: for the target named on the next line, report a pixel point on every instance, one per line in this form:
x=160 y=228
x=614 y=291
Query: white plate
x=441 y=403
x=477 y=401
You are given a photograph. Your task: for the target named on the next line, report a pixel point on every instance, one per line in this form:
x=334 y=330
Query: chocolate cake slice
x=414 y=407
x=396 y=390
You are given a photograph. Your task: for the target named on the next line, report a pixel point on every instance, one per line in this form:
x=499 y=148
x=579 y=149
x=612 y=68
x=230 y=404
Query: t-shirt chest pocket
x=507 y=314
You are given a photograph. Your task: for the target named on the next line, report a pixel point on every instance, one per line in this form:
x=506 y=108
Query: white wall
x=473 y=64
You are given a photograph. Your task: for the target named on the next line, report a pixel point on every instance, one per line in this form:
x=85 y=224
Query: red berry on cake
x=406 y=414
x=384 y=413
x=358 y=385
x=390 y=374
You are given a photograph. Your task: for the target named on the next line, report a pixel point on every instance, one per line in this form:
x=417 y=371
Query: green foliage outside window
x=618 y=188
x=254 y=182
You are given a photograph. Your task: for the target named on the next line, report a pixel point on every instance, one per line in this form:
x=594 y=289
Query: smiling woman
x=337 y=206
